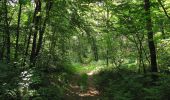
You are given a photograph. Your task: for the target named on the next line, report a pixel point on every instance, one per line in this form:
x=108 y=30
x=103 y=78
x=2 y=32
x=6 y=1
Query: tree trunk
x=150 y=37
x=95 y=49
x=28 y=42
x=108 y=40
x=162 y=30
x=7 y=33
x=48 y=8
x=37 y=19
x=2 y=49
x=37 y=46
x=18 y=31
x=93 y=44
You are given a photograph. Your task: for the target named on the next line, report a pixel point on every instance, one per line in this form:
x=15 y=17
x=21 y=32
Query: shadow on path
x=75 y=92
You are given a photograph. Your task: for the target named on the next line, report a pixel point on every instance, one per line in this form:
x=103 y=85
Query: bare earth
x=75 y=92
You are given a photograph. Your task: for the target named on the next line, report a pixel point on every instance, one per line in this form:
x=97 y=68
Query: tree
x=36 y=20
x=8 y=44
x=147 y=7
x=18 y=30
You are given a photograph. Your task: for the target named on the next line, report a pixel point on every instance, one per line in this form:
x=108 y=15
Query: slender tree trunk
x=107 y=57
x=79 y=50
x=53 y=43
x=92 y=42
x=162 y=30
x=164 y=9
x=28 y=38
x=48 y=8
x=140 y=49
x=7 y=33
x=28 y=42
x=37 y=18
x=95 y=49
x=2 y=49
x=18 y=32
x=37 y=46
x=150 y=37
x=107 y=27
x=141 y=56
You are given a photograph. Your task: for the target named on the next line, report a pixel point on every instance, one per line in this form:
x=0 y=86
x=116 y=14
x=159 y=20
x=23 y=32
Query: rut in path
x=75 y=92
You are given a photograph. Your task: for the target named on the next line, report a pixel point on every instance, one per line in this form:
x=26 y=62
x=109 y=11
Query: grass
x=78 y=68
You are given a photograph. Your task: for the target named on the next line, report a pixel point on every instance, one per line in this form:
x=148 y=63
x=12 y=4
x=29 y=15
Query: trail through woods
x=76 y=93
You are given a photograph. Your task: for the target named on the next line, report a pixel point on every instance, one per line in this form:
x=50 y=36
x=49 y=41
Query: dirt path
x=76 y=93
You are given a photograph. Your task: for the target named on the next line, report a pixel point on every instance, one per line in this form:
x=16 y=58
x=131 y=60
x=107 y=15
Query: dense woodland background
x=84 y=49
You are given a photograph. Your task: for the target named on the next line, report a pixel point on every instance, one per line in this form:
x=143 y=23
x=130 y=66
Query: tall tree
x=36 y=20
x=2 y=37
x=147 y=6
x=39 y=29
x=42 y=30
x=18 y=30
x=7 y=32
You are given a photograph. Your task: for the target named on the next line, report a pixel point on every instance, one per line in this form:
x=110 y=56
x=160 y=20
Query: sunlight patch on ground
x=90 y=92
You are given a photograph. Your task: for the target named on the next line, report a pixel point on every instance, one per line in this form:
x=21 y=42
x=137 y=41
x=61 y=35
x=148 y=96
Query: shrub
x=127 y=85
x=50 y=93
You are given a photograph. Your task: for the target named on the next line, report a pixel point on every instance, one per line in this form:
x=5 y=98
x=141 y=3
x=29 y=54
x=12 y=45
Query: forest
x=84 y=49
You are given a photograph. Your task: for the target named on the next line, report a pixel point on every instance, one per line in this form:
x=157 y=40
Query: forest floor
x=75 y=91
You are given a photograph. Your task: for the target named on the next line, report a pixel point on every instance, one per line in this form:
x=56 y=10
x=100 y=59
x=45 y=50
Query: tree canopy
x=118 y=49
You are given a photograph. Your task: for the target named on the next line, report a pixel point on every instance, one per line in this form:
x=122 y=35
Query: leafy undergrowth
x=45 y=82
x=40 y=83
x=67 y=81
x=124 y=84
x=73 y=82
x=8 y=82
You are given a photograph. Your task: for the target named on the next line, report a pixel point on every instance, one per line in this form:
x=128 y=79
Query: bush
x=49 y=85
x=83 y=82
x=9 y=78
x=165 y=87
x=127 y=85
x=50 y=93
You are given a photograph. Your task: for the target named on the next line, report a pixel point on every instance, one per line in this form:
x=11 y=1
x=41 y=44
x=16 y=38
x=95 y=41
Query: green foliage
x=47 y=86
x=9 y=78
x=165 y=87
x=164 y=54
x=77 y=68
x=24 y=2
x=128 y=85
x=50 y=93
x=81 y=37
x=83 y=82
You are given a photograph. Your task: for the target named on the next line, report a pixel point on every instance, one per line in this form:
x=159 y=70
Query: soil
x=75 y=92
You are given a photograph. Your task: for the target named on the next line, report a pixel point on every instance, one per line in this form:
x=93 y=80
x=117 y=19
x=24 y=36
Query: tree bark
x=2 y=49
x=48 y=8
x=18 y=32
x=150 y=37
x=162 y=30
x=37 y=19
x=7 y=33
x=37 y=46
x=93 y=44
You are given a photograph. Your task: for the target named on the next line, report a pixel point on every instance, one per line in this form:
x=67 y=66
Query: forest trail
x=75 y=91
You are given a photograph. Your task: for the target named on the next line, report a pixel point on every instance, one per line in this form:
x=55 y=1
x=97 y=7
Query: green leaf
x=23 y=2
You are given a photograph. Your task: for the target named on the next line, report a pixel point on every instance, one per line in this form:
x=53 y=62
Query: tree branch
x=166 y=13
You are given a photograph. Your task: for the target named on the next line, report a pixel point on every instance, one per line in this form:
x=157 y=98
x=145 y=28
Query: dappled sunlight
x=84 y=49
x=76 y=88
